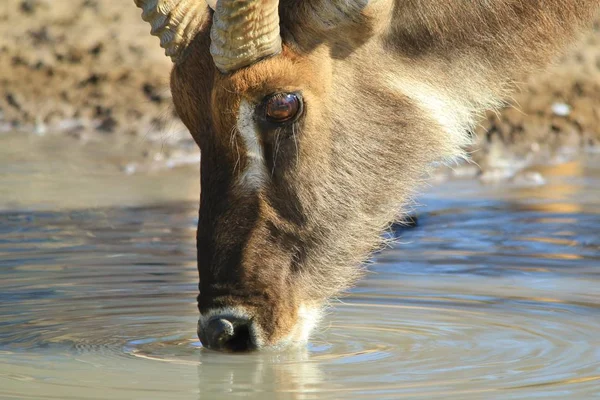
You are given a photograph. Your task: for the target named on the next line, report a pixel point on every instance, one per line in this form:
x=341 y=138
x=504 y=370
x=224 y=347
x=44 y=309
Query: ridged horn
x=243 y=32
x=174 y=22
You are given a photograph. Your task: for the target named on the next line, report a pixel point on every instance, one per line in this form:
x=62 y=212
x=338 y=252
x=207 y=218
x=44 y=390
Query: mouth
x=235 y=330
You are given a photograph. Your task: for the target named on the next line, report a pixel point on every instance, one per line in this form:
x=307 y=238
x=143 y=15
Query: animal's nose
x=228 y=334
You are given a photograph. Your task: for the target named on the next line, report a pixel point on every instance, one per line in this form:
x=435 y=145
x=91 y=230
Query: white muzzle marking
x=308 y=318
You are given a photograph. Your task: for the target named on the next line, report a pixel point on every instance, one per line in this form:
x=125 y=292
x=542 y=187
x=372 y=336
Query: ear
x=342 y=24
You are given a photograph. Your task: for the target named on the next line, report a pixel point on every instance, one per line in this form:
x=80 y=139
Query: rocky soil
x=81 y=67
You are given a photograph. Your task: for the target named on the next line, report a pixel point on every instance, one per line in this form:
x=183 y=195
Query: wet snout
x=225 y=333
x=228 y=332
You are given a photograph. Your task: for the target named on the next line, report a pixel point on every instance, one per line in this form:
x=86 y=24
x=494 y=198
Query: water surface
x=495 y=294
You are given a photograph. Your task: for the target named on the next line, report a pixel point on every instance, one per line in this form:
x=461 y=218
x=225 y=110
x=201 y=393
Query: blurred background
x=89 y=70
x=77 y=67
x=85 y=109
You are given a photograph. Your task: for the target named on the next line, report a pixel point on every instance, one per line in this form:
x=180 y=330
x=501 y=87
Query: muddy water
x=495 y=294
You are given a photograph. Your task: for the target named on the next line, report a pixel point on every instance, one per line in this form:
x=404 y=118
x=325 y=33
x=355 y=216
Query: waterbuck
x=316 y=121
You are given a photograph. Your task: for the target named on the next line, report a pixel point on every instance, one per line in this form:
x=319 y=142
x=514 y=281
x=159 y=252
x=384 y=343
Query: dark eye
x=282 y=107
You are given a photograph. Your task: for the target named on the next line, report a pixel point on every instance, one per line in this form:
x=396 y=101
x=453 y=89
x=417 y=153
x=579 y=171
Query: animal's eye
x=282 y=107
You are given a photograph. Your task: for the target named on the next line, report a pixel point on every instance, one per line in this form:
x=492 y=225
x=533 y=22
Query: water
x=495 y=294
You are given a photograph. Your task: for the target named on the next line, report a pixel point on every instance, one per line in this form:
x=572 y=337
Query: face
x=308 y=153
x=304 y=162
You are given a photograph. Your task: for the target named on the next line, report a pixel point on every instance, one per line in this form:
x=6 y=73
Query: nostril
x=219 y=330
x=229 y=335
x=240 y=341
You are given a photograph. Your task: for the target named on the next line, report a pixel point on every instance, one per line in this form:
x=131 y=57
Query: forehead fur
x=287 y=70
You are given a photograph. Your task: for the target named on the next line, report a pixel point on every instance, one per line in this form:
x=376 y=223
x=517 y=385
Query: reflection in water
x=290 y=372
x=496 y=294
x=288 y=375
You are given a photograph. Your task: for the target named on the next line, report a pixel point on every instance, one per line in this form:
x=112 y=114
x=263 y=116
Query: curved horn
x=243 y=32
x=174 y=22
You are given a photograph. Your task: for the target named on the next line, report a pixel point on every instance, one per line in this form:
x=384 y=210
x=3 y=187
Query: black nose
x=227 y=334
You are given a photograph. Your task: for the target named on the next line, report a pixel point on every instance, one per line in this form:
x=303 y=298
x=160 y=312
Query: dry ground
x=81 y=66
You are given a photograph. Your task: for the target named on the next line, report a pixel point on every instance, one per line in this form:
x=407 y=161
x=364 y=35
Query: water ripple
x=487 y=298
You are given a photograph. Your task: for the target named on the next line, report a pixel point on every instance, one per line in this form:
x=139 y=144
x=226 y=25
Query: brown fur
x=345 y=169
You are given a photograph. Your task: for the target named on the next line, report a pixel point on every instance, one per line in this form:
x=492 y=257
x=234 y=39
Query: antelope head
x=316 y=121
